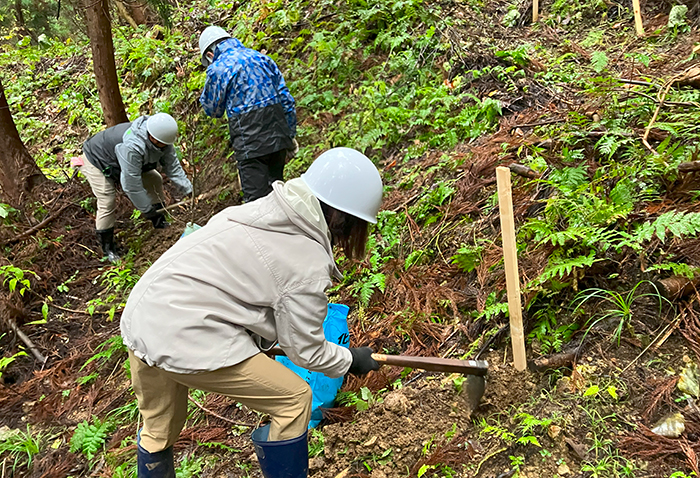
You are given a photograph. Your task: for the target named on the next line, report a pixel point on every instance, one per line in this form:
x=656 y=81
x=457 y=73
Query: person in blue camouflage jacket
x=249 y=88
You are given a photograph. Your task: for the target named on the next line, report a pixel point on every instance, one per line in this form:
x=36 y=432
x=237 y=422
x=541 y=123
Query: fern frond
x=562 y=268
x=678 y=224
x=90 y=438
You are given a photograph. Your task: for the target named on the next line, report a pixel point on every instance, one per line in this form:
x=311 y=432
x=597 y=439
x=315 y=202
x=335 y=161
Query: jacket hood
x=226 y=45
x=139 y=131
x=295 y=209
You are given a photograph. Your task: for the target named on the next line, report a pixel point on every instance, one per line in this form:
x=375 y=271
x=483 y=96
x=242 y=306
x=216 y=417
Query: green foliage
x=561 y=268
x=128 y=412
x=467 y=257
x=6 y=361
x=21 y=447
x=434 y=199
x=518 y=56
x=316 y=442
x=87 y=378
x=89 y=438
x=14 y=278
x=549 y=333
x=599 y=61
x=369 y=279
x=674 y=223
x=6 y=212
x=119 y=279
x=190 y=466
x=362 y=401
x=493 y=308
x=676 y=268
x=620 y=306
x=106 y=350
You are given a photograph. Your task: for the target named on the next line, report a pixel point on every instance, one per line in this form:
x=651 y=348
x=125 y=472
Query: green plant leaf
x=592 y=391
x=599 y=61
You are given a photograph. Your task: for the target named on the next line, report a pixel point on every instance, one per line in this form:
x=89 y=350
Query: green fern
x=492 y=308
x=675 y=223
x=88 y=438
x=562 y=268
x=569 y=179
x=367 y=285
x=111 y=346
x=467 y=257
x=588 y=236
x=677 y=268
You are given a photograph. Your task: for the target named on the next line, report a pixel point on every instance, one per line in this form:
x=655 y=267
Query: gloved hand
x=156 y=218
x=362 y=361
x=291 y=153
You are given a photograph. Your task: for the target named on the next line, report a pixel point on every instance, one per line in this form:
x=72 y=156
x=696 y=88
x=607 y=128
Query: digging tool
x=431 y=364
x=472 y=389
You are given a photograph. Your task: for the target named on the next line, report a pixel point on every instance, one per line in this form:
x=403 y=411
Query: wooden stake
x=535 y=10
x=510 y=258
x=638 y=18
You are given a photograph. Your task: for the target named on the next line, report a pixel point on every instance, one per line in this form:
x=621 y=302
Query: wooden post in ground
x=535 y=10
x=638 y=18
x=510 y=258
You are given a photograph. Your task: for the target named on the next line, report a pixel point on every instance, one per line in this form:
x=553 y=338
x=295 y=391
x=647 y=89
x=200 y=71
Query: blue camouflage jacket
x=249 y=87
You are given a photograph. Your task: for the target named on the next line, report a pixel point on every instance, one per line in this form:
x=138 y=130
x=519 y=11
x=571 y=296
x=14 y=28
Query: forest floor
x=499 y=91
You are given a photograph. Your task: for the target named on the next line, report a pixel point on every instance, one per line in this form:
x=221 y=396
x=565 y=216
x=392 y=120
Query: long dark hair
x=348 y=231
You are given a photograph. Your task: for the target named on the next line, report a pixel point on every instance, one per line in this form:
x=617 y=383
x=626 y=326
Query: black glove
x=362 y=361
x=156 y=218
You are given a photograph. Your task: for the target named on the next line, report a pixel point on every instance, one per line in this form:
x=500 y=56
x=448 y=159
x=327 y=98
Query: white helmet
x=347 y=180
x=162 y=127
x=209 y=36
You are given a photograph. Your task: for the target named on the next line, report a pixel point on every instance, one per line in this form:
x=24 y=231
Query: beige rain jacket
x=255 y=274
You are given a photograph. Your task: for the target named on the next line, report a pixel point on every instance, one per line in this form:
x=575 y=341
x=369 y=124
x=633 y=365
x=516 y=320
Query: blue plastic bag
x=190 y=228
x=324 y=389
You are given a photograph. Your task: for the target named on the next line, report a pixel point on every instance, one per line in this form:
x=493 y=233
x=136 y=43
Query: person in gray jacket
x=255 y=275
x=128 y=155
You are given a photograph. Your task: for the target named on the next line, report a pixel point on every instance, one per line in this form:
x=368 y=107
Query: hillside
x=438 y=94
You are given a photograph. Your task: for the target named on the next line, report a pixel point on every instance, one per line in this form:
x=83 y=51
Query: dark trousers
x=258 y=174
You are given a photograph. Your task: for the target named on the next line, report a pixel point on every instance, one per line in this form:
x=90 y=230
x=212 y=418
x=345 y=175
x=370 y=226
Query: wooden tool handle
x=435 y=364
x=431 y=364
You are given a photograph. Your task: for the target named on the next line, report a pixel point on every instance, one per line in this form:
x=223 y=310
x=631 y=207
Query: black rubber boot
x=159 y=221
x=155 y=465
x=109 y=248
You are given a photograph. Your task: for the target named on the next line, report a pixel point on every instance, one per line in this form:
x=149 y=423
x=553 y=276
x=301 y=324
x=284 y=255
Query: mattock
x=476 y=370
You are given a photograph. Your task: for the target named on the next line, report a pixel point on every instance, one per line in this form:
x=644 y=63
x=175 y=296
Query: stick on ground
x=27 y=341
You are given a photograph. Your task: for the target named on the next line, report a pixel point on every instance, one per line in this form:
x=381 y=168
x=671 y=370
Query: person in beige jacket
x=254 y=276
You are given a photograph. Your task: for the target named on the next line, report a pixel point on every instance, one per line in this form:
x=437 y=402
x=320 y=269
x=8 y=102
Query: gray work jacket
x=136 y=154
x=254 y=275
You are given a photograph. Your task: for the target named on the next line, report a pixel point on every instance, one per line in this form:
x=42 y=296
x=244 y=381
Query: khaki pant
x=259 y=383
x=106 y=193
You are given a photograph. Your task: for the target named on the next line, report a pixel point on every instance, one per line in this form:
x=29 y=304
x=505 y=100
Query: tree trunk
x=100 y=33
x=21 y=23
x=18 y=171
x=19 y=14
x=138 y=11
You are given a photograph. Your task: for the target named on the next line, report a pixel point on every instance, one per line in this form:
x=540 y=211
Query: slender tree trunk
x=138 y=11
x=18 y=171
x=125 y=14
x=100 y=33
x=21 y=23
x=18 y=13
